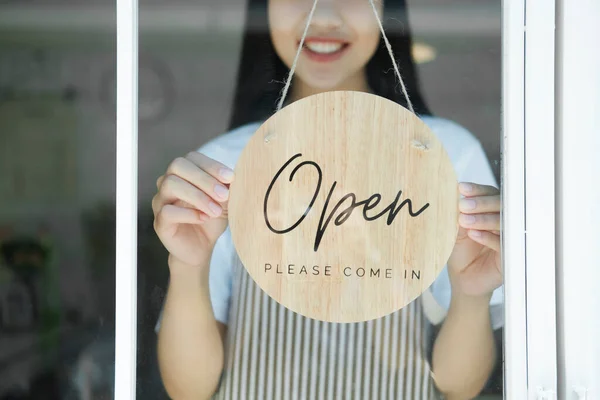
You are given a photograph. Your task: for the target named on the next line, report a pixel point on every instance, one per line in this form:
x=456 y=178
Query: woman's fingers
x=194 y=182
x=480 y=211
x=172 y=214
x=214 y=168
x=480 y=204
x=485 y=238
x=170 y=217
x=204 y=180
x=483 y=222
x=469 y=189
x=478 y=199
x=174 y=188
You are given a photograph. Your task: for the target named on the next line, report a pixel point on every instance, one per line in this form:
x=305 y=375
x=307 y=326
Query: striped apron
x=273 y=353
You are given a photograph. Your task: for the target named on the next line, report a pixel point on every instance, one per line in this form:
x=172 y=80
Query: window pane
x=57 y=118
x=196 y=85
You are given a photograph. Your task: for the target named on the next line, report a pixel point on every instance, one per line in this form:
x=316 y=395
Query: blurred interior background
x=57 y=161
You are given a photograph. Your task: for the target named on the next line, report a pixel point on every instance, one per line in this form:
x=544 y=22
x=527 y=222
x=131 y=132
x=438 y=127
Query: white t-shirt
x=469 y=161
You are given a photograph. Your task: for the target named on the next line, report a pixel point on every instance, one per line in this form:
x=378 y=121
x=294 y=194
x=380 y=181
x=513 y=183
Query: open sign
x=348 y=211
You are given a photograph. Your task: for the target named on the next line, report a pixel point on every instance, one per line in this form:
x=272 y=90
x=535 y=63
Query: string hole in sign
x=417 y=144
x=268 y=136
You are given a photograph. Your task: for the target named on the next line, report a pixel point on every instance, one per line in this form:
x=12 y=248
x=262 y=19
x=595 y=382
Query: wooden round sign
x=344 y=207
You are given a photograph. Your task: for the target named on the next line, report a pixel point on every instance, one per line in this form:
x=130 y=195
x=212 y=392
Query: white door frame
x=578 y=198
x=126 y=200
x=528 y=199
x=540 y=226
x=513 y=199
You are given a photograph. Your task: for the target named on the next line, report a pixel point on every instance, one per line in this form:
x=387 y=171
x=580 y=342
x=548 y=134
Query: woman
x=220 y=335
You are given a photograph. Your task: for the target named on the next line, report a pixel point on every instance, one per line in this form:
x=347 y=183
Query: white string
x=391 y=53
x=288 y=81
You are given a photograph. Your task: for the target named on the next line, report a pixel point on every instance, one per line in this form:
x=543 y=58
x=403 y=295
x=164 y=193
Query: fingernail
x=475 y=233
x=226 y=174
x=466 y=187
x=221 y=191
x=215 y=208
x=468 y=204
x=468 y=219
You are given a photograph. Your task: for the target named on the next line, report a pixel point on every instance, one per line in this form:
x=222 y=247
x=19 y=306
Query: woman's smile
x=324 y=50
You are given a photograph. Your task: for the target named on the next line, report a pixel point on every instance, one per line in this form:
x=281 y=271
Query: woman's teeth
x=323 y=48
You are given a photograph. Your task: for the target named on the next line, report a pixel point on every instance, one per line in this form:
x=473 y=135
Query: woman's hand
x=190 y=208
x=475 y=266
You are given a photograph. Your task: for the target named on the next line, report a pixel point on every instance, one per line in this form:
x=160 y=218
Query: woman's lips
x=324 y=49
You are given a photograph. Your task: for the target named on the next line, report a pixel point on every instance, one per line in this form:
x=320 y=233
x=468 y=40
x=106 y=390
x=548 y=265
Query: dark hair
x=261 y=72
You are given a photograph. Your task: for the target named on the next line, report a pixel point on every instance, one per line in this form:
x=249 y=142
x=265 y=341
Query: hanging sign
x=344 y=207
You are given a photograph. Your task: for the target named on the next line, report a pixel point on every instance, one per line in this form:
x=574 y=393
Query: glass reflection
x=227 y=78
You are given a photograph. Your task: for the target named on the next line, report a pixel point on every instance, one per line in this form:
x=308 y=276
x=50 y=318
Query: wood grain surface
x=344 y=207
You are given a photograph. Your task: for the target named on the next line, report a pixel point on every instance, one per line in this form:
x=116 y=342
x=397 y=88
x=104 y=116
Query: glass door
x=478 y=63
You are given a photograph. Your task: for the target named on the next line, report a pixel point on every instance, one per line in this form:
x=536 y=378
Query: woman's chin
x=320 y=84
